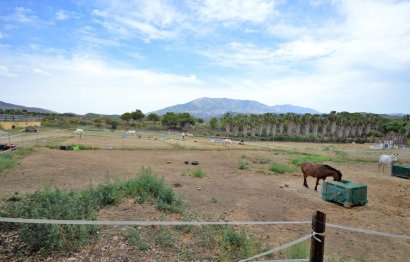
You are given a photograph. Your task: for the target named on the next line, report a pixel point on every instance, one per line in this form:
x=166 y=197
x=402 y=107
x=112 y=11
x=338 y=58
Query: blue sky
x=113 y=56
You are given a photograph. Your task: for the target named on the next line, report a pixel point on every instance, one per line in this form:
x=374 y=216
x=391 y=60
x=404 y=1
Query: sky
x=110 y=57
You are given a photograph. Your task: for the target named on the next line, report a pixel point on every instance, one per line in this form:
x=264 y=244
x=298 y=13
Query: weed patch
x=312 y=159
x=279 y=168
x=299 y=251
x=198 y=172
x=243 y=165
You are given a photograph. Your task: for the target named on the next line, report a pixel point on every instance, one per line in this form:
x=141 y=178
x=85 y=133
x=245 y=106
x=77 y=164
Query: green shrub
x=279 y=168
x=6 y=161
x=237 y=242
x=134 y=238
x=198 y=172
x=243 y=165
x=299 y=251
x=310 y=158
x=164 y=238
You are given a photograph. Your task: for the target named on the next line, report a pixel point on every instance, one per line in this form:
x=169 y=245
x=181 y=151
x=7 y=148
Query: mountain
x=209 y=107
x=4 y=105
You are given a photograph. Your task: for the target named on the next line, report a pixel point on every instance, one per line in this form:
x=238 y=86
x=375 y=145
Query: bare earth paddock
x=253 y=194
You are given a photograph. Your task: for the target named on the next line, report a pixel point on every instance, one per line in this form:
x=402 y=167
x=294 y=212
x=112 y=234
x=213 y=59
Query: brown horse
x=320 y=172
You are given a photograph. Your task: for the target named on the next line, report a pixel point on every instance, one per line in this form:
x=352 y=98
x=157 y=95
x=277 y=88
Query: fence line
x=192 y=223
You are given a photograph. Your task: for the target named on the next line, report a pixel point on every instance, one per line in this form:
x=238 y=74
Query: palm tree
x=281 y=121
x=298 y=123
x=306 y=118
x=315 y=121
x=227 y=118
x=245 y=124
x=273 y=122
x=253 y=123
x=261 y=124
x=324 y=121
x=268 y=122
x=333 y=123
x=290 y=117
x=236 y=122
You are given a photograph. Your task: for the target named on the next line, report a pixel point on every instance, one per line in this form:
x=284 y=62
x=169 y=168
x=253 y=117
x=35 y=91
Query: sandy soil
x=255 y=194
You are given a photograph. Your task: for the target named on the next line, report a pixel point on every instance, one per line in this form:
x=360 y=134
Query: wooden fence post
x=317 y=248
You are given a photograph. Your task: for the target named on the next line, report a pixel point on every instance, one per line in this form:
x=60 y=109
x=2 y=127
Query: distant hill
x=101 y=115
x=4 y=105
x=209 y=107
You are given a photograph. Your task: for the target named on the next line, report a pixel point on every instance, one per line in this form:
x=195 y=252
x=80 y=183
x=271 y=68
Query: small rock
x=177 y=185
x=115 y=238
x=72 y=259
x=198 y=188
x=169 y=162
x=286 y=185
x=195 y=163
x=186 y=162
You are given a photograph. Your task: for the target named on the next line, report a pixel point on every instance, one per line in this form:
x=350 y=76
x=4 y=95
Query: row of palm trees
x=334 y=125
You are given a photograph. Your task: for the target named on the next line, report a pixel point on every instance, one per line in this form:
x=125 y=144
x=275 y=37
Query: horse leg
x=317 y=182
x=304 y=181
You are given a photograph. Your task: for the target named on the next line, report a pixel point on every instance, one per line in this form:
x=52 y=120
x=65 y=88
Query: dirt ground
x=254 y=194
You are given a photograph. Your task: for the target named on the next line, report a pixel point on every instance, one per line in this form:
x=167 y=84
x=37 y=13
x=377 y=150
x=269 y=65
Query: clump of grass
x=10 y=159
x=164 y=238
x=299 y=251
x=280 y=169
x=134 y=238
x=86 y=147
x=243 y=165
x=312 y=159
x=214 y=200
x=237 y=242
x=198 y=172
x=6 y=161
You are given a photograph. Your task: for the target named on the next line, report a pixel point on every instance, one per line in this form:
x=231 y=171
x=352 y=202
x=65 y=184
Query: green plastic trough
x=345 y=192
x=401 y=171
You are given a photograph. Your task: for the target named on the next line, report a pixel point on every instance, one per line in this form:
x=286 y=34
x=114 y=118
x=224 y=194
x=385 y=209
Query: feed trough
x=345 y=192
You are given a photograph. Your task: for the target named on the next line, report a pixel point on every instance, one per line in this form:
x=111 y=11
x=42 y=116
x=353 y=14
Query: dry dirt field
x=253 y=194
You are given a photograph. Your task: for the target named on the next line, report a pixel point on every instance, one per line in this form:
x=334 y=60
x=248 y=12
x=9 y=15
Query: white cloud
x=89 y=84
x=62 y=15
x=237 y=11
x=5 y=72
x=150 y=19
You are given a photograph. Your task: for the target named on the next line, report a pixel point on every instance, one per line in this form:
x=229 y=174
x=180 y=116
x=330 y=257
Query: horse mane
x=332 y=168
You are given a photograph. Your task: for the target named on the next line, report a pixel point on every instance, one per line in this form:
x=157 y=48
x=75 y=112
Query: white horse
x=227 y=142
x=79 y=132
x=131 y=132
x=387 y=160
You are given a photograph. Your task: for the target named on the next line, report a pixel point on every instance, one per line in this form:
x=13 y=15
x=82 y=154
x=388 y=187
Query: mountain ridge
x=4 y=105
x=206 y=107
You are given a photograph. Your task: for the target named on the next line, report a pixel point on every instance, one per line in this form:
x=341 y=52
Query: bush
x=243 y=165
x=235 y=242
x=198 y=172
x=299 y=251
x=279 y=168
x=310 y=158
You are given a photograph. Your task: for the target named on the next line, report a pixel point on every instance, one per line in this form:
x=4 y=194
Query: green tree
x=126 y=116
x=137 y=115
x=169 y=120
x=153 y=117
x=185 y=118
x=213 y=123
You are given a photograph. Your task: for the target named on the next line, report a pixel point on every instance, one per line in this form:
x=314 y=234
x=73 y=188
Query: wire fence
x=208 y=223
